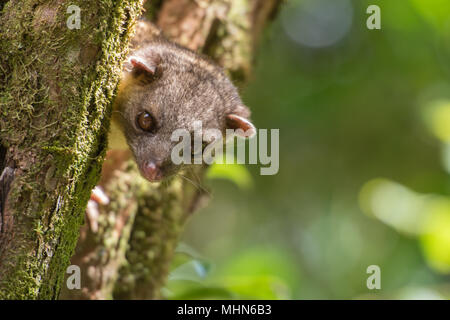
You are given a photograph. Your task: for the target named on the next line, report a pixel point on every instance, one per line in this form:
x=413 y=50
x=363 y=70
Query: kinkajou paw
x=98 y=197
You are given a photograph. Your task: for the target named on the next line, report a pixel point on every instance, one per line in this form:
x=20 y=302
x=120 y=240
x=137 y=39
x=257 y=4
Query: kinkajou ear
x=147 y=62
x=242 y=126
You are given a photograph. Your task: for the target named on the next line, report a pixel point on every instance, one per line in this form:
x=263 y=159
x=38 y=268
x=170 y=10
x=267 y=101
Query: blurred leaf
x=183 y=254
x=436 y=12
x=437 y=117
x=252 y=287
x=261 y=266
x=435 y=239
x=259 y=274
x=419 y=294
x=193 y=270
x=400 y=15
x=205 y=293
x=236 y=173
x=257 y=287
x=188 y=250
x=393 y=204
x=446 y=157
x=426 y=216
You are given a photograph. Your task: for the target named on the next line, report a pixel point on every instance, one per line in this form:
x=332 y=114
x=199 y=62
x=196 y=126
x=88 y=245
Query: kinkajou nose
x=152 y=171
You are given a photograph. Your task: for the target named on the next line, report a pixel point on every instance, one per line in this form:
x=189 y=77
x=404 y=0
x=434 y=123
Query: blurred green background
x=364 y=119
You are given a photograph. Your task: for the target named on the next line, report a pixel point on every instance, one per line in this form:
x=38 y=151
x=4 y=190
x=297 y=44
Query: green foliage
x=364 y=163
x=236 y=173
x=435 y=238
x=254 y=274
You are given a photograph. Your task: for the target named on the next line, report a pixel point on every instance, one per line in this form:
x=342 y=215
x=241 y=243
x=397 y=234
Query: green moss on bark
x=157 y=226
x=56 y=90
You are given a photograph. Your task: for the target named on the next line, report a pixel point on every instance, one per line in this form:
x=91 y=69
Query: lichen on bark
x=56 y=88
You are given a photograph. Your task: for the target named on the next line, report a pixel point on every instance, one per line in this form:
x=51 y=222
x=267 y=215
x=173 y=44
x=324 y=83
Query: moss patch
x=56 y=88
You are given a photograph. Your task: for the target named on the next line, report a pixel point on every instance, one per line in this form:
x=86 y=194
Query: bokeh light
x=318 y=23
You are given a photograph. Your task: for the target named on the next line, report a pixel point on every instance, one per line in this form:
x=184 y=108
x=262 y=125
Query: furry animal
x=165 y=87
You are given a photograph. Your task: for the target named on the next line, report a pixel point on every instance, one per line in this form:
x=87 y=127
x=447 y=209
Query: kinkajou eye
x=145 y=121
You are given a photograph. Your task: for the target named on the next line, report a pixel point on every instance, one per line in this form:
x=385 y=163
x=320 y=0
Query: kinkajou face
x=165 y=87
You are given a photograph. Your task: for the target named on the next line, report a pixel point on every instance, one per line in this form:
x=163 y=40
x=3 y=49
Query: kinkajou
x=165 y=87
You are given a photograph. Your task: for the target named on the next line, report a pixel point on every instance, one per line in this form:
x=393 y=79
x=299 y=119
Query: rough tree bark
x=133 y=263
x=56 y=88
x=228 y=31
x=55 y=142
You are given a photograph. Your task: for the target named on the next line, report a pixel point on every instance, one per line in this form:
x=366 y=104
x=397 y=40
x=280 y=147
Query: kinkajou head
x=165 y=87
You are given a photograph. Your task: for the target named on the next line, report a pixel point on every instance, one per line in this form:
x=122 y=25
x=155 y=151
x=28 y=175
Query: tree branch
x=156 y=213
x=56 y=88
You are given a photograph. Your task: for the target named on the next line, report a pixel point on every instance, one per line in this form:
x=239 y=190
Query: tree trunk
x=228 y=31
x=56 y=88
x=126 y=251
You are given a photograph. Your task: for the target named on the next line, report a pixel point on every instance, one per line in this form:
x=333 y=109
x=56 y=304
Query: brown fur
x=184 y=88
